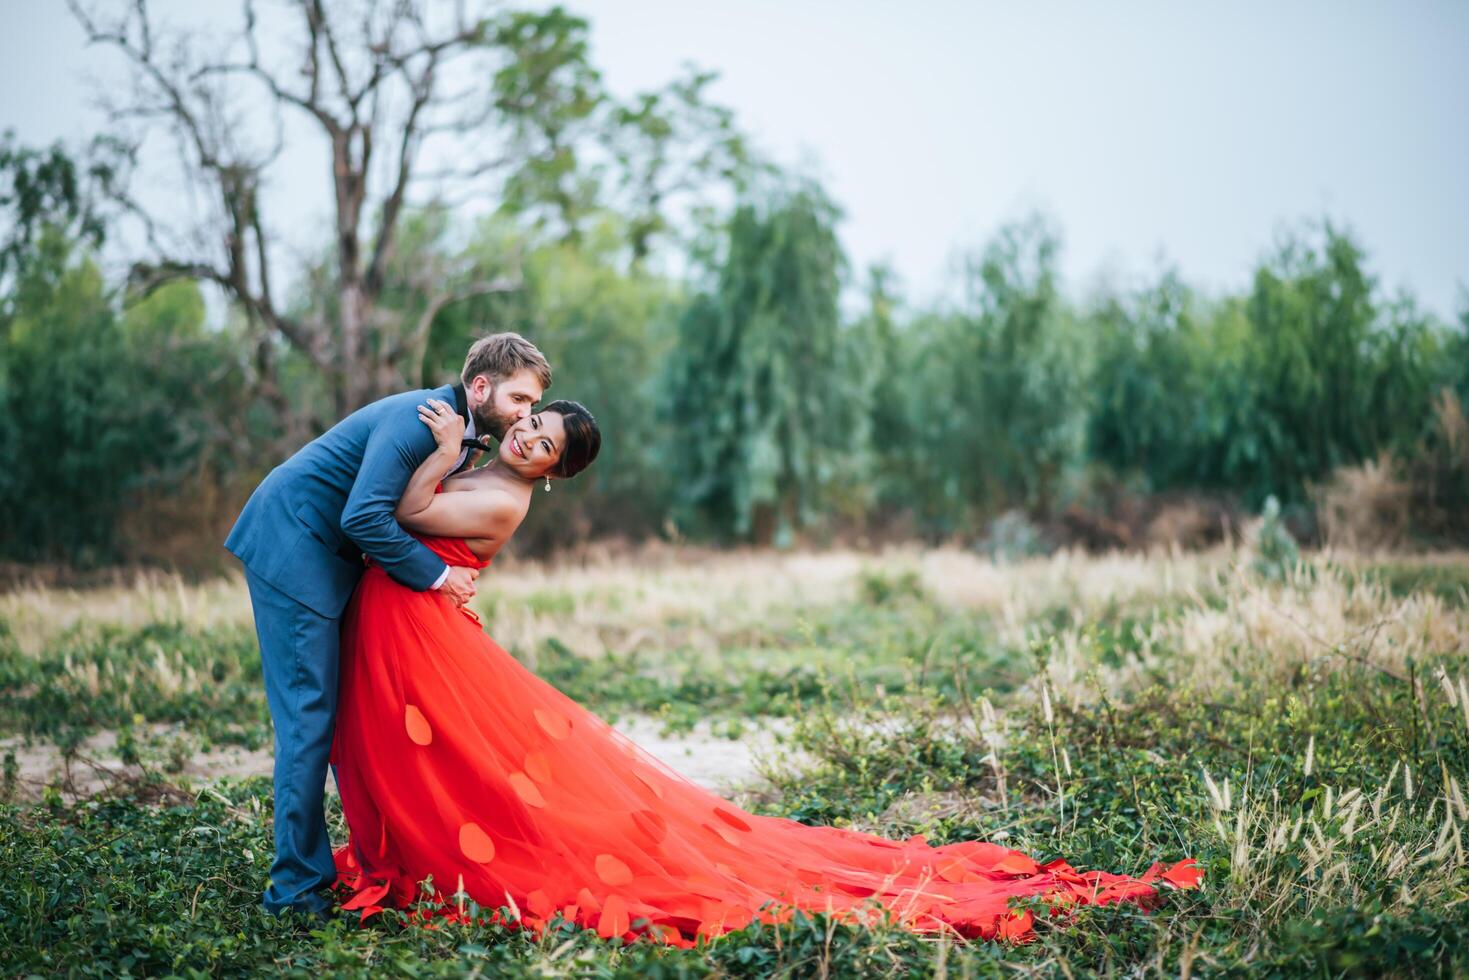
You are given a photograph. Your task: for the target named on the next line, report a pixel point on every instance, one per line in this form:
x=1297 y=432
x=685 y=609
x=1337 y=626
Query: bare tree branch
x=320 y=26
x=504 y=284
x=372 y=77
x=407 y=145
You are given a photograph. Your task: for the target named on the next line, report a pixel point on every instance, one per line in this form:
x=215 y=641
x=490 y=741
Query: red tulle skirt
x=456 y=763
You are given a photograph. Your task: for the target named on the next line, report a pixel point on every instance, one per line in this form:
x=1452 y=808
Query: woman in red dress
x=455 y=762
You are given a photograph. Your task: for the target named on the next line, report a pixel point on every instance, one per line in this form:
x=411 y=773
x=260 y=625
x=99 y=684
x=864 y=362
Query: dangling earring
x=548 y=484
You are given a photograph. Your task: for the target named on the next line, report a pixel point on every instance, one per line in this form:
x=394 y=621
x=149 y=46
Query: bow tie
x=475 y=444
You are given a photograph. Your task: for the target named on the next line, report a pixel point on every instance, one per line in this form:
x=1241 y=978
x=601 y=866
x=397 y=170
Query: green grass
x=1449 y=582
x=206 y=680
x=1307 y=741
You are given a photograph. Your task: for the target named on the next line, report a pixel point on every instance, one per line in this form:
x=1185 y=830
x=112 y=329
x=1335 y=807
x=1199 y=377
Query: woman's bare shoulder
x=493 y=497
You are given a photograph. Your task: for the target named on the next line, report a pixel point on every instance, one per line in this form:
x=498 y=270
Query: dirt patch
x=715 y=762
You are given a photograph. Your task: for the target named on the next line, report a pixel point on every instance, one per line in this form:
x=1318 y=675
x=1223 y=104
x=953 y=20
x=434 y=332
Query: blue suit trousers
x=299 y=651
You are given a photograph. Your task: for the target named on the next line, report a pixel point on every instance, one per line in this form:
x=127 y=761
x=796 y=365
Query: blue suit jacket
x=334 y=500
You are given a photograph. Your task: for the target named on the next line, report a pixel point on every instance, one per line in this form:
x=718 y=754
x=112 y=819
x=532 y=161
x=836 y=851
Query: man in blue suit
x=302 y=536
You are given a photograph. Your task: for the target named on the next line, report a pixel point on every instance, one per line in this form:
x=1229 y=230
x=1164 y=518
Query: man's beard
x=489 y=422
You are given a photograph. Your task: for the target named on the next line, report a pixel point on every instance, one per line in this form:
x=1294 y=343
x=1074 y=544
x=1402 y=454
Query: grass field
x=1303 y=732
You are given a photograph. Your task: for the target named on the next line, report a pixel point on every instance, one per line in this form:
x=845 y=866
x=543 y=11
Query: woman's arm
x=448 y=430
x=487 y=513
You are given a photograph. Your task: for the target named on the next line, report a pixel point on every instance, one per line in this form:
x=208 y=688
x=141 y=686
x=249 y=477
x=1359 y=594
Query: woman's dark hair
x=583 y=438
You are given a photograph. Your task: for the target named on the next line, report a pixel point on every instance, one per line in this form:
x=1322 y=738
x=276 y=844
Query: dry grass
x=701 y=599
x=38 y=614
x=1365 y=507
x=1240 y=625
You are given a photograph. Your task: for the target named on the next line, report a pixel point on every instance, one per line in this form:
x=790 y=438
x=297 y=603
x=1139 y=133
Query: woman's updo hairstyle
x=583 y=438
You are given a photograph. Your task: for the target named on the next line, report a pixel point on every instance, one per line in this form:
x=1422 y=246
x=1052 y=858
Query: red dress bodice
x=454 y=551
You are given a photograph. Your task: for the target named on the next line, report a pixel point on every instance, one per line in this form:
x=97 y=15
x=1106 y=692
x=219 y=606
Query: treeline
x=739 y=404
x=751 y=385
x=1086 y=420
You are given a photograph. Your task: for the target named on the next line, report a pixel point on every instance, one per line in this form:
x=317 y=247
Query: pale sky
x=1183 y=132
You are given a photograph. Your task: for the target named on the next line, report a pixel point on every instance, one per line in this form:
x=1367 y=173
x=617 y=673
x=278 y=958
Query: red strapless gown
x=455 y=761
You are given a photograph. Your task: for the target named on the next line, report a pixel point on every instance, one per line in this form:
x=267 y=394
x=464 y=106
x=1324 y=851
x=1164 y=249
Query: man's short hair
x=501 y=355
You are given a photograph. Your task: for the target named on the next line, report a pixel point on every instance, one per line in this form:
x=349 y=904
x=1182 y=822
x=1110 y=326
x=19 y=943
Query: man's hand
x=459 y=586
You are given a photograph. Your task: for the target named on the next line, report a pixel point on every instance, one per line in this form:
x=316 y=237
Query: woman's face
x=533 y=445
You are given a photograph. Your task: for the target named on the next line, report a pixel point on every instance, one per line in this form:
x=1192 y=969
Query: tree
x=670 y=144
x=889 y=361
x=549 y=94
x=1146 y=387
x=763 y=412
x=98 y=409
x=1014 y=415
x=49 y=189
x=1313 y=373
x=375 y=83
x=1457 y=353
x=1312 y=315
x=1264 y=393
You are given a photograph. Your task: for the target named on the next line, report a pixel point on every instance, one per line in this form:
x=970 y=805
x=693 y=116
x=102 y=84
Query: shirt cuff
x=442 y=575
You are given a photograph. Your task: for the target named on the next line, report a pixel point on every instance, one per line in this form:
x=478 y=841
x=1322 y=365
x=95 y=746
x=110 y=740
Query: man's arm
x=387 y=463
